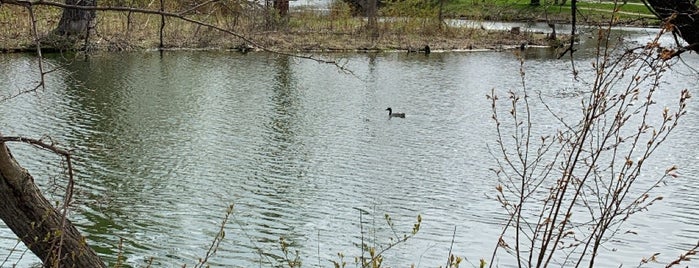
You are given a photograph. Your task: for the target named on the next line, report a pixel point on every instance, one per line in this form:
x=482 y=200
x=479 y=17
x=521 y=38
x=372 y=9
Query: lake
x=164 y=143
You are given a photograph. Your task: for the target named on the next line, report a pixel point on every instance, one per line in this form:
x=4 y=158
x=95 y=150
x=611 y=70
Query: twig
x=162 y=26
x=318 y=248
x=217 y=239
x=150 y=262
x=451 y=246
x=38 y=143
x=258 y=248
x=42 y=82
x=684 y=256
x=361 y=230
x=416 y=227
x=12 y=250
x=120 y=253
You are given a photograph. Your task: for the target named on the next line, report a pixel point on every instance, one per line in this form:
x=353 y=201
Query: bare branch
x=684 y=256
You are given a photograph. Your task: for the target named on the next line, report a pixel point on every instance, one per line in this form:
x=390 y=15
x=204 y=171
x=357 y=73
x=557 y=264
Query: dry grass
x=15 y=24
x=304 y=30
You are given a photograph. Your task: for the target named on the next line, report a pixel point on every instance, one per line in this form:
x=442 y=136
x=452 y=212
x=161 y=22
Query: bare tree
x=569 y=191
x=371 y=13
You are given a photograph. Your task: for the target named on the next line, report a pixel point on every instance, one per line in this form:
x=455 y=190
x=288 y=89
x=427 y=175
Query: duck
x=392 y=114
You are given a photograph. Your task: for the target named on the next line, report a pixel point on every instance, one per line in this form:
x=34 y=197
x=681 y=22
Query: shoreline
x=390 y=37
x=302 y=30
x=474 y=40
x=488 y=40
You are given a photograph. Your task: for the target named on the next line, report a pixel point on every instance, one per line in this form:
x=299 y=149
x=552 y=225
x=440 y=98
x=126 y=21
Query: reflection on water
x=164 y=144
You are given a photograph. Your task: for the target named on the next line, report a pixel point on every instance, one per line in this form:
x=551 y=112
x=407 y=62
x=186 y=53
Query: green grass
x=508 y=10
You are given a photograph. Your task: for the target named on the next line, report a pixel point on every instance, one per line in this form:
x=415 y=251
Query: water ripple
x=164 y=144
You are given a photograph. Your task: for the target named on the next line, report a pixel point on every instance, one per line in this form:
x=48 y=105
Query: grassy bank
x=415 y=26
x=589 y=12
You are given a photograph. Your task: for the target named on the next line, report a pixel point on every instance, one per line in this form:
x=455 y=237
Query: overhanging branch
x=681 y=16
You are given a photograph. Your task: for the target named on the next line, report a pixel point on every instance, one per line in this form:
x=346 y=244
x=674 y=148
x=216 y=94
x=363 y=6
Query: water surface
x=163 y=144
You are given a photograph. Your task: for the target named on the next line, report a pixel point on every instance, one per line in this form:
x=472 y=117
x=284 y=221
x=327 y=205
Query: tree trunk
x=38 y=224
x=681 y=14
x=76 y=21
x=282 y=6
x=371 y=10
x=440 y=16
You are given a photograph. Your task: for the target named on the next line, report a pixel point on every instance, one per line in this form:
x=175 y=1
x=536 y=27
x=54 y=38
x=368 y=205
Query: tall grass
x=407 y=25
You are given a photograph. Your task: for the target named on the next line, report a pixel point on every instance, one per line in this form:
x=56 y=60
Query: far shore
x=302 y=32
x=453 y=39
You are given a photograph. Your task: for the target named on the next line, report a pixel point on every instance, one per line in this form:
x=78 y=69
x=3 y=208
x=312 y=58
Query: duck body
x=392 y=114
